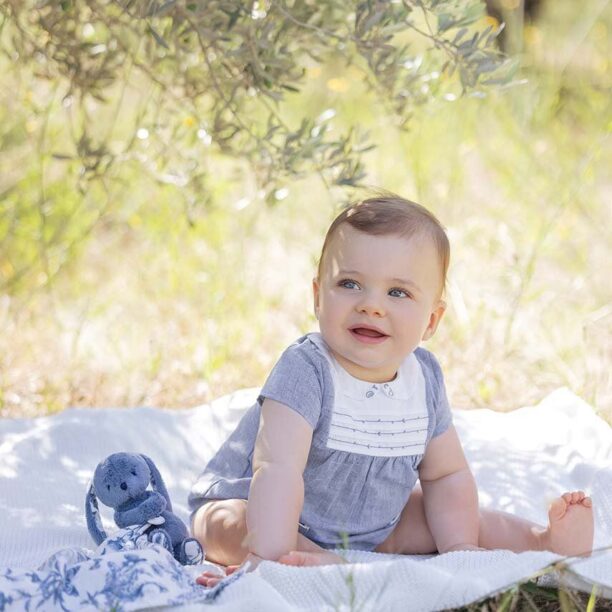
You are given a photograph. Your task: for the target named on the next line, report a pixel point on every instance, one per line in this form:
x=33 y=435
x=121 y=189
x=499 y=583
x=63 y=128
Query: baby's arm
x=449 y=494
x=276 y=495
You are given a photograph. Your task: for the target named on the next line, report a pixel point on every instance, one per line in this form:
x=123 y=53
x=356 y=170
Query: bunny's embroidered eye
x=133 y=472
x=108 y=487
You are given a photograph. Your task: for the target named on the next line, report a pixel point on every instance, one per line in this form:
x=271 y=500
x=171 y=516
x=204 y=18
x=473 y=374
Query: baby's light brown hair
x=391 y=215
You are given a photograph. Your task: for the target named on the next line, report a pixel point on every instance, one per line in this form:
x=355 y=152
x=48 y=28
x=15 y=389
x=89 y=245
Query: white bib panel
x=378 y=419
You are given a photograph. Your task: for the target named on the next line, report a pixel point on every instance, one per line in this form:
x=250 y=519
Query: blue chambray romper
x=368 y=440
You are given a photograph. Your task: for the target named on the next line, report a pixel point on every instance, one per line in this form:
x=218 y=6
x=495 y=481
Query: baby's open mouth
x=370 y=333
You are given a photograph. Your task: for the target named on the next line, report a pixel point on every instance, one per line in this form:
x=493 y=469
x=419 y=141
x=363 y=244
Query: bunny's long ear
x=157 y=482
x=92 y=512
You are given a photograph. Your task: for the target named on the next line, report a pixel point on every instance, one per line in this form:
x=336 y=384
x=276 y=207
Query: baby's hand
x=306 y=559
x=295 y=557
x=211 y=579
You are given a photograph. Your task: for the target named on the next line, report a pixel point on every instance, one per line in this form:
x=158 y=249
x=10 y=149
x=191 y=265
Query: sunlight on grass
x=173 y=304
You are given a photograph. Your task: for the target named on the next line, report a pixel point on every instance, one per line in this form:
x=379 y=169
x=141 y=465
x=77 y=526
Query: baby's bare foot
x=570 y=527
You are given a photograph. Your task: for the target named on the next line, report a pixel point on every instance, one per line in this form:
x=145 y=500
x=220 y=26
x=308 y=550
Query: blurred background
x=163 y=197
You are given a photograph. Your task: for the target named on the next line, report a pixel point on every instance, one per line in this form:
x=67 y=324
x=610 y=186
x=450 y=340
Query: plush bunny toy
x=121 y=481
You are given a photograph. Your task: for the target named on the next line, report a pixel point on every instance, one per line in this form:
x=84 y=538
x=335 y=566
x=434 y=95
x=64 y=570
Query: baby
x=352 y=417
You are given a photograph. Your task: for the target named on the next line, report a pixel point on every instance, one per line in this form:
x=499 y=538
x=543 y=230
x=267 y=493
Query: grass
x=536 y=595
x=530 y=596
x=152 y=310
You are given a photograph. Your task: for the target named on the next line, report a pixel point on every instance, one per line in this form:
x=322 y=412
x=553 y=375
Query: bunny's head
x=121 y=477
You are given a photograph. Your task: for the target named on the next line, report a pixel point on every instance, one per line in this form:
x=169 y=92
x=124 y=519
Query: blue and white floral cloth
x=127 y=572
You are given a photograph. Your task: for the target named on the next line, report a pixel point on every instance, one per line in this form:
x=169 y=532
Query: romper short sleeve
x=296 y=381
x=435 y=385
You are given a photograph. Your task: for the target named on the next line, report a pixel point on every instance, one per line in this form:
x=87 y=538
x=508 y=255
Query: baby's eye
x=347 y=283
x=133 y=472
x=400 y=293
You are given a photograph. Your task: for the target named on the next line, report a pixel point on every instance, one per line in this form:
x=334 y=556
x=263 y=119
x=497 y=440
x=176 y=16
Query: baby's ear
x=434 y=319
x=316 y=288
x=92 y=514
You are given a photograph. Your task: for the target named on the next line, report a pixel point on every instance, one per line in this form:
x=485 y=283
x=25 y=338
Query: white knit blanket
x=520 y=459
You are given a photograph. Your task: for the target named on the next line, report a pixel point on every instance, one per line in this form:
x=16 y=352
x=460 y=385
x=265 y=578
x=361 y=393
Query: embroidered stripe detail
x=380 y=433
x=383 y=447
x=403 y=420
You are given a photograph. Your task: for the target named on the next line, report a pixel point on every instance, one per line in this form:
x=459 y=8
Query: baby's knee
x=220 y=527
x=219 y=520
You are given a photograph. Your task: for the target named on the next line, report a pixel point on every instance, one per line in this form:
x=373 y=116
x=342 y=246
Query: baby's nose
x=371 y=306
x=123 y=485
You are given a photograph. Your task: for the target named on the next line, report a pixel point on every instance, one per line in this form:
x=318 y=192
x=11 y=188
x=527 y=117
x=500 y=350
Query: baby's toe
x=557 y=508
x=577 y=497
x=209 y=581
x=205 y=578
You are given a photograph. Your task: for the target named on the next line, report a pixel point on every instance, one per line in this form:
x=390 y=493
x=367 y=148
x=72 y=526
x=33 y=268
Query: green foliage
x=172 y=300
x=114 y=89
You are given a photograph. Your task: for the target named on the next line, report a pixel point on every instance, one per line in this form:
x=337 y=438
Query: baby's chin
x=373 y=371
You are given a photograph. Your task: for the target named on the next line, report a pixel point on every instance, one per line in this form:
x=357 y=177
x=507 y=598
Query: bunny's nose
x=123 y=486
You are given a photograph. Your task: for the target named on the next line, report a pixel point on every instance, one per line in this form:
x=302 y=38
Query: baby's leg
x=411 y=535
x=569 y=532
x=220 y=527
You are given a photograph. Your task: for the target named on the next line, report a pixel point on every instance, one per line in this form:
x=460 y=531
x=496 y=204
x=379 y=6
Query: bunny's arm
x=150 y=507
x=157 y=482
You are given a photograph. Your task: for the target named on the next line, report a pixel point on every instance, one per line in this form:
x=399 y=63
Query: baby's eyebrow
x=404 y=281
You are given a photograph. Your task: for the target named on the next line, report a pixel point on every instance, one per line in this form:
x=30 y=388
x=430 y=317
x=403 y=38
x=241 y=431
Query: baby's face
x=376 y=299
